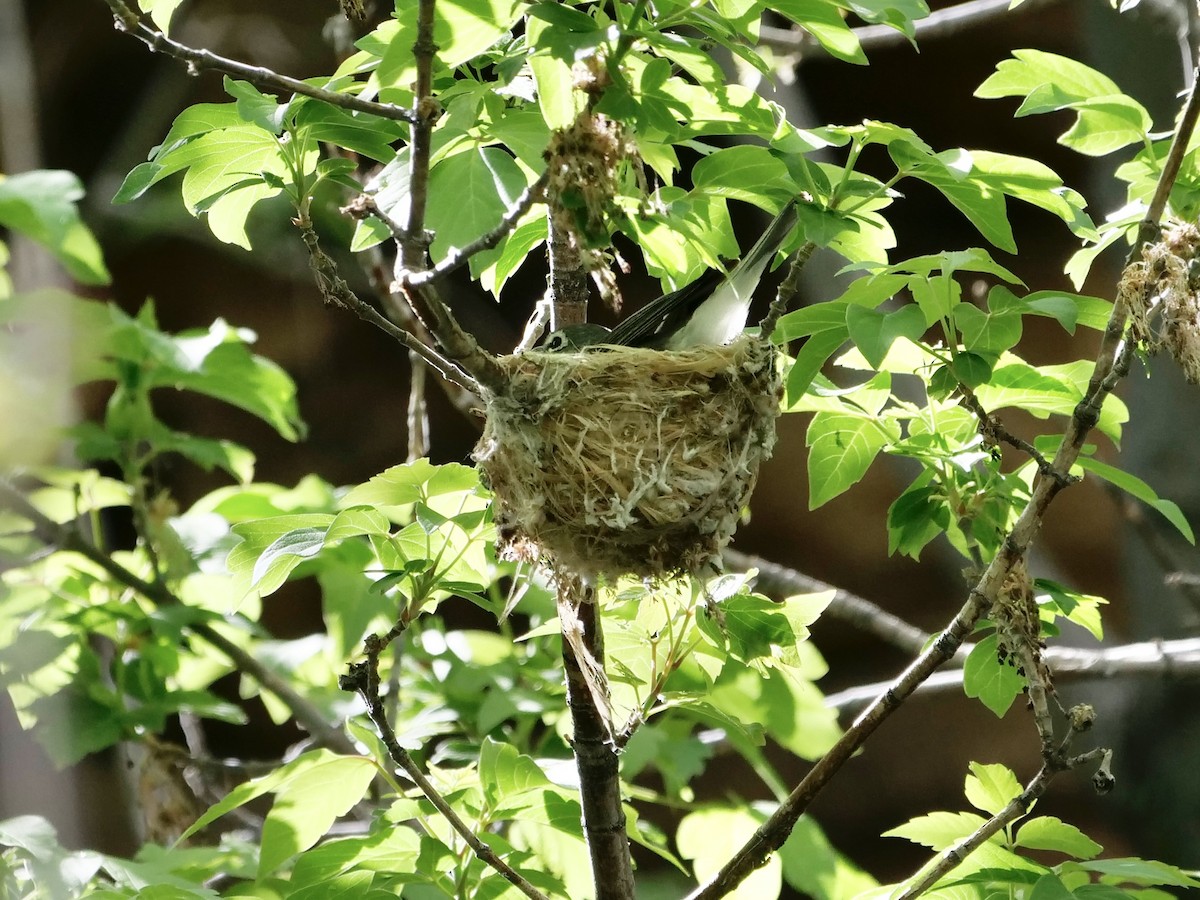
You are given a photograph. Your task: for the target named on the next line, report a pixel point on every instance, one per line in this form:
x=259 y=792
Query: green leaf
x=410 y=482
x=477 y=188
x=310 y=793
x=1050 y=887
x=746 y=172
x=1135 y=487
x=917 y=516
x=811 y=358
x=42 y=206
x=506 y=774
x=897 y=14
x=255 y=107
x=1106 y=124
x=161 y=12
x=283 y=555
x=362 y=133
x=971 y=369
x=757 y=628
x=462 y=29
x=1033 y=69
x=994 y=683
x=949 y=172
x=937 y=830
x=873 y=332
x=841 y=449
x=73 y=723
x=1131 y=870
x=494 y=267
x=824 y=22
x=991 y=787
x=989 y=333
x=1049 y=833
x=1107 y=119
x=216 y=363
x=220 y=160
x=227 y=214
x=559 y=102
x=260 y=534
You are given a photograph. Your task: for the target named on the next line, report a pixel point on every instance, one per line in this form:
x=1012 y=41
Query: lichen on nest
x=626 y=460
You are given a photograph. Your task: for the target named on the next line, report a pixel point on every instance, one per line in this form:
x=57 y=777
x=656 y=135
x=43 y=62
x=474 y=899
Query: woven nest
x=628 y=461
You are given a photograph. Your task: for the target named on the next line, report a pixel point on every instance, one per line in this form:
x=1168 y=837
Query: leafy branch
x=1082 y=718
x=131 y=23
x=363 y=679
x=69 y=539
x=1110 y=365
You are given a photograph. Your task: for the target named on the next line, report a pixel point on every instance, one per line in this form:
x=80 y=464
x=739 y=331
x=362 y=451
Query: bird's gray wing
x=657 y=319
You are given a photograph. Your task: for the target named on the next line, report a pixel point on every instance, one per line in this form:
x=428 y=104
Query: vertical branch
x=418 y=411
x=593 y=743
x=415 y=243
x=568 y=277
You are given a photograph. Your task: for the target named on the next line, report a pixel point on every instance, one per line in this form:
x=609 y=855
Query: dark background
x=99 y=101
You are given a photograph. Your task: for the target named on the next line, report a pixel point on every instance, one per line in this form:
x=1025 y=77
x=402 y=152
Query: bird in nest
x=712 y=310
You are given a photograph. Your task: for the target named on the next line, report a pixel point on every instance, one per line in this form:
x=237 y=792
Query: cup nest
x=625 y=460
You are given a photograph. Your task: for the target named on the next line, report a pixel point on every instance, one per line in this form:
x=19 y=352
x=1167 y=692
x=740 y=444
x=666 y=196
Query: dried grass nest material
x=628 y=461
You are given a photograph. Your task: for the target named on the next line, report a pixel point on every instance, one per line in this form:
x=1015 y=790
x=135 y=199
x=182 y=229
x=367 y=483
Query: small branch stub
x=626 y=460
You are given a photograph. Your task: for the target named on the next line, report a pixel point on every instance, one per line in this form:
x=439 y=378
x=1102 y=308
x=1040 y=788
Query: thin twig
x=788 y=289
x=418 y=409
x=1111 y=363
x=457 y=258
x=995 y=433
x=414 y=244
x=337 y=292
x=938 y=24
x=67 y=538
x=363 y=679
x=129 y=21
x=568 y=275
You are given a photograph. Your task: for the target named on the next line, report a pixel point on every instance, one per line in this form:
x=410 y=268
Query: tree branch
x=131 y=23
x=67 y=538
x=363 y=679
x=1177 y=659
x=938 y=24
x=337 y=292
x=414 y=243
x=788 y=289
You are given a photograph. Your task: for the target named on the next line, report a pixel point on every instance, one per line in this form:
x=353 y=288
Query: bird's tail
x=749 y=271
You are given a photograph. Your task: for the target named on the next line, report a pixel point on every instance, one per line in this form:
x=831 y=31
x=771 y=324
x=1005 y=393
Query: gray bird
x=712 y=310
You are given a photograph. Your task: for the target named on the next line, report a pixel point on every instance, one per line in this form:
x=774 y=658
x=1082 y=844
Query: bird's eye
x=554 y=343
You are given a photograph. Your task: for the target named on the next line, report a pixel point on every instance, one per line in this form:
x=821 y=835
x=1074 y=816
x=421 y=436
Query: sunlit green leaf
x=994 y=683
x=1050 y=833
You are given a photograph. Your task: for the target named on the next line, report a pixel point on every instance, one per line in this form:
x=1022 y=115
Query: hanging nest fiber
x=628 y=461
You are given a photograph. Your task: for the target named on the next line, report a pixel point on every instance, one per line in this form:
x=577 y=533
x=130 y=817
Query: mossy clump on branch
x=625 y=460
